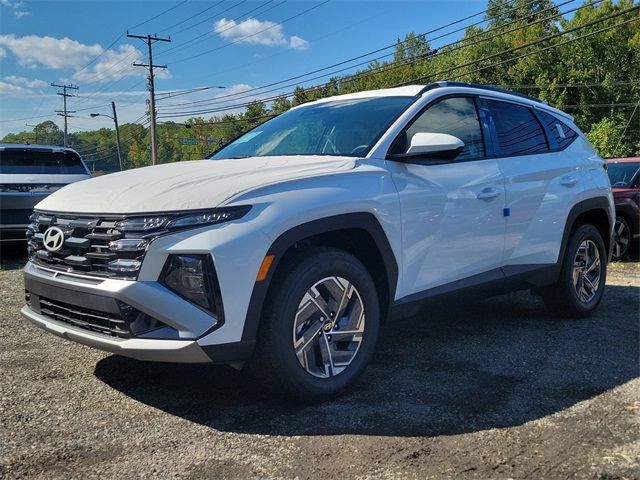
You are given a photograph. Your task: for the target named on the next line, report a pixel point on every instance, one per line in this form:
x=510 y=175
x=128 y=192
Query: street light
x=115 y=120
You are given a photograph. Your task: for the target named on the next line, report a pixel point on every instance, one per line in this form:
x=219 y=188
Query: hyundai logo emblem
x=53 y=239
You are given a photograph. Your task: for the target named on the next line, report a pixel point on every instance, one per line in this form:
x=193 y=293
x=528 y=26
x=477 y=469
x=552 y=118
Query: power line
x=627 y=125
x=123 y=60
x=482 y=36
x=253 y=34
x=464 y=43
x=529 y=44
x=211 y=17
x=331 y=33
x=192 y=16
x=124 y=65
x=158 y=15
x=205 y=36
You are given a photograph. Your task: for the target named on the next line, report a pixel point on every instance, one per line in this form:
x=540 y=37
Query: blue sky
x=238 y=44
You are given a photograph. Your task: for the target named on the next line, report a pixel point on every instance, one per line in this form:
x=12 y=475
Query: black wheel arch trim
x=591 y=204
x=360 y=220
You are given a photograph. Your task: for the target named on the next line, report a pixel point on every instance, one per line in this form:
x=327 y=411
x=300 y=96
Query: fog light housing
x=193 y=278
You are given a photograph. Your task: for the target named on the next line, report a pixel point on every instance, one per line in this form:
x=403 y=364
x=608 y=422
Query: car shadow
x=451 y=369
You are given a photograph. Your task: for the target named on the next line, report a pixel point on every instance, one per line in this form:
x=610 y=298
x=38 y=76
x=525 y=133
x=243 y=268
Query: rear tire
x=581 y=283
x=309 y=349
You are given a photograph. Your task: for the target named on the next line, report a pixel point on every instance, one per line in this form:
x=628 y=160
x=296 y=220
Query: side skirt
x=509 y=278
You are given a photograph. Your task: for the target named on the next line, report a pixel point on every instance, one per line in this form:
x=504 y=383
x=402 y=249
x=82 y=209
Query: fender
x=364 y=221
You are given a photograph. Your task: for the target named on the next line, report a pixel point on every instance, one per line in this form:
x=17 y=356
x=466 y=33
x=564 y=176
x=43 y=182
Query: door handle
x=568 y=181
x=488 y=193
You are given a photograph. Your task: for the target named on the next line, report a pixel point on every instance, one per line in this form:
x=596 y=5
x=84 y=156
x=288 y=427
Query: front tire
x=319 y=327
x=580 y=286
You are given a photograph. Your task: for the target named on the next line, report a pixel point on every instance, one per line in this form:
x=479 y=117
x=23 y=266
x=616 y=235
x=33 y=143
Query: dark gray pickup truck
x=28 y=173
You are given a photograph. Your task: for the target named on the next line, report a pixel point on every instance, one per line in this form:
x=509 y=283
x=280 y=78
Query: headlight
x=207 y=218
x=140 y=224
x=193 y=278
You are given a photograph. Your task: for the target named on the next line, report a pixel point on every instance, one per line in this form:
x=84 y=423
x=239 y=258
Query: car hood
x=189 y=185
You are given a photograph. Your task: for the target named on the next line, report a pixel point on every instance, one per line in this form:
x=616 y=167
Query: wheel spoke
x=595 y=265
x=325 y=353
x=617 y=249
x=342 y=306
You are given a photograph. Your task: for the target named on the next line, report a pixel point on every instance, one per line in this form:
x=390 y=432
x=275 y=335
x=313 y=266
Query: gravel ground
x=496 y=389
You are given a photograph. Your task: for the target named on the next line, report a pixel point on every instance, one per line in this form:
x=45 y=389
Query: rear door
x=452 y=213
x=542 y=183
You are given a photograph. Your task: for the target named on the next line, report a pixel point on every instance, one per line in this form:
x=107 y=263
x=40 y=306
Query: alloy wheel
x=328 y=327
x=587 y=271
x=621 y=238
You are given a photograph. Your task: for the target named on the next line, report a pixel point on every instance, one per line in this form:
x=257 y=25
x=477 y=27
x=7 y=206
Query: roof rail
x=449 y=83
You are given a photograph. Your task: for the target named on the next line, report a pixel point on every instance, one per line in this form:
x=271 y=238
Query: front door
x=453 y=222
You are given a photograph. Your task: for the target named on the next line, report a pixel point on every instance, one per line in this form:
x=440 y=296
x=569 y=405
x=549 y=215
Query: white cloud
x=17 y=7
x=256 y=32
x=298 y=43
x=33 y=50
x=3 y=53
x=10 y=89
x=112 y=65
x=25 y=82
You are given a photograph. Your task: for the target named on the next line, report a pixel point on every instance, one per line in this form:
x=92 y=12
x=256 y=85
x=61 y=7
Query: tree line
x=593 y=75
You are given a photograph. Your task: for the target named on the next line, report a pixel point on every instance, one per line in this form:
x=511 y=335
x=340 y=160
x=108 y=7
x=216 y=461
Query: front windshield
x=623 y=174
x=341 y=127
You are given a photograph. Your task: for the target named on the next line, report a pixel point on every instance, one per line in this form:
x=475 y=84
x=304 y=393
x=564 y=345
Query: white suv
x=289 y=247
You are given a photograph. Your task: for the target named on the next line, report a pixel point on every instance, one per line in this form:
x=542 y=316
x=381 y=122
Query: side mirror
x=431 y=148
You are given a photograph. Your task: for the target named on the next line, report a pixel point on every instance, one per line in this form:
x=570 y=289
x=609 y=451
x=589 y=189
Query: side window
x=518 y=130
x=455 y=116
x=562 y=134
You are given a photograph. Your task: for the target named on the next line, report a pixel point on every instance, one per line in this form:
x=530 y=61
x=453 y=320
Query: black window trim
x=550 y=136
x=494 y=133
x=483 y=120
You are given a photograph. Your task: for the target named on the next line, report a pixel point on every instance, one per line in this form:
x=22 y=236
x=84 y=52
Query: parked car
x=624 y=174
x=28 y=173
x=288 y=248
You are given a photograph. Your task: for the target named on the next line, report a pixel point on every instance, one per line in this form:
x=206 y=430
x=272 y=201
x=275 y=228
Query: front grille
x=100 y=322
x=86 y=246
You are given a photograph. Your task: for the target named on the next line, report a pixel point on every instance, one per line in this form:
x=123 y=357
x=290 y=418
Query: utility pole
x=35 y=129
x=65 y=113
x=152 y=94
x=115 y=121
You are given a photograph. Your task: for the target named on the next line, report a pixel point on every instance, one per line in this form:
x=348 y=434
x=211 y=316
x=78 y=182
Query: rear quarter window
x=560 y=131
x=41 y=162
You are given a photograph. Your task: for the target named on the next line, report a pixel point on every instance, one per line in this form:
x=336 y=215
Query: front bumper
x=177 y=351
x=99 y=295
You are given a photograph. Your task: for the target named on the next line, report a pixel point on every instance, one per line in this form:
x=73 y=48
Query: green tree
x=607 y=138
